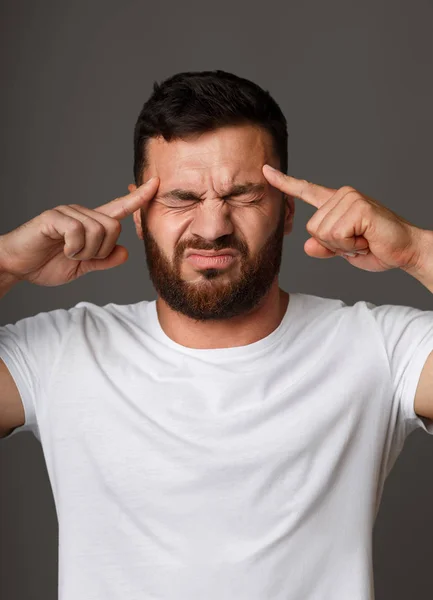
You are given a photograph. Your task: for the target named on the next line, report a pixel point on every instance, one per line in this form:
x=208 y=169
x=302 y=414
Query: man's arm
x=423 y=404
x=423 y=272
x=11 y=407
x=53 y=249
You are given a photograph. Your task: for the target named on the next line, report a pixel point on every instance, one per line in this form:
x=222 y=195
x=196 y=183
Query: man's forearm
x=7 y=281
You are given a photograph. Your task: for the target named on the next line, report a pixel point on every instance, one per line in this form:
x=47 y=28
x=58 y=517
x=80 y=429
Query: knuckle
x=337 y=234
x=116 y=226
x=48 y=214
x=367 y=209
x=310 y=228
x=347 y=189
x=76 y=226
x=350 y=191
x=97 y=227
x=359 y=203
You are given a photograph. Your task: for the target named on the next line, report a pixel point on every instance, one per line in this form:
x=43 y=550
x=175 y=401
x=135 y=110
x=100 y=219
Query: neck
x=228 y=333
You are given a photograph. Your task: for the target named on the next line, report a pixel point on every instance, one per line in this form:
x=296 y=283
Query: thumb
x=118 y=256
x=315 y=249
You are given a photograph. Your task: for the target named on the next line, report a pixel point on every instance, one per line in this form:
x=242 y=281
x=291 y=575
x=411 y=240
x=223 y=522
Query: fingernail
x=151 y=179
x=271 y=168
x=351 y=254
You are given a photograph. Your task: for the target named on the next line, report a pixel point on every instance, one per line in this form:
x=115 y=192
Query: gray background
x=354 y=80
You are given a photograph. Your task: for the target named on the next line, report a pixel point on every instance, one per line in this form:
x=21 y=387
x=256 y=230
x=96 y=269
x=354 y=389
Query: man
x=228 y=440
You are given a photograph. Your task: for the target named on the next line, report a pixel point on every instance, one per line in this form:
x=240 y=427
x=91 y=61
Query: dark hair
x=200 y=101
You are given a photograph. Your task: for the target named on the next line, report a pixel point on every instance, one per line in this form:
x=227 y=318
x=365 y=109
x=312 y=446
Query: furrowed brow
x=245 y=188
x=236 y=190
x=182 y=195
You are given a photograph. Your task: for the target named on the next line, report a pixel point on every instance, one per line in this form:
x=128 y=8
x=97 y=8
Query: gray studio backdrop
x=354 y=80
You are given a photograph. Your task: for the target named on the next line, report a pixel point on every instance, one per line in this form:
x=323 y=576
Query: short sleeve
x=29 y=349
x=407 y=335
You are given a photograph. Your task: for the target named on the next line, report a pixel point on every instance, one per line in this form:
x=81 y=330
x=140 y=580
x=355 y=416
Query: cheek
x=255 y=229
x=166 y=228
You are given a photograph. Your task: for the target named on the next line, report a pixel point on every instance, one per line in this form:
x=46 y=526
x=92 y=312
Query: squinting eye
x=177 y=203
x=243 y=200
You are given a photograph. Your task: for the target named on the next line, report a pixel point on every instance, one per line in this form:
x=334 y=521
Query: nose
x=212 y=220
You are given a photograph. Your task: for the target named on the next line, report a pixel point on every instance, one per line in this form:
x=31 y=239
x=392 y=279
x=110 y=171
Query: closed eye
x=186 y=203
x=178 y=202
x=243 y=193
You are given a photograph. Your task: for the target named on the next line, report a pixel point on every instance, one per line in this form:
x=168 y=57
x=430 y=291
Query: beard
x=213 y=297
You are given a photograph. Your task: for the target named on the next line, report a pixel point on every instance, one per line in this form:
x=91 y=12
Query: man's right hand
x=40 y=251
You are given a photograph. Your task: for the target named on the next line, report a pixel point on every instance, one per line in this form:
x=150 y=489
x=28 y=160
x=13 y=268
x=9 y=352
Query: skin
x=209 y=165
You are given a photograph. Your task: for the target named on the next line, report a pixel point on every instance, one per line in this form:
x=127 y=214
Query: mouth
x=205 y=259
x=211 y=252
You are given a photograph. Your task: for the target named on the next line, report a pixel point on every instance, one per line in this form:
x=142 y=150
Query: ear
x=136 y=215
x=289 y=213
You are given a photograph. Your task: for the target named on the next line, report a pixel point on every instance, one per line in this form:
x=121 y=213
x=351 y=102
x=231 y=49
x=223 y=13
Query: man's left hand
x=350 y=222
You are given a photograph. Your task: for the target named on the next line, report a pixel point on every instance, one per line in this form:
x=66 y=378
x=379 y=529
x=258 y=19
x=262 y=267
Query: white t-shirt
x=245 y=473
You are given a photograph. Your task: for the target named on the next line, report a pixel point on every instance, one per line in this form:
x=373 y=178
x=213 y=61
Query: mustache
x=222 y=243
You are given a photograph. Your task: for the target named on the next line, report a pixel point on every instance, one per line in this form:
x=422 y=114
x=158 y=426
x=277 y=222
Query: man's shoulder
x=134 y=312
x=312 y=310
x=315 y=303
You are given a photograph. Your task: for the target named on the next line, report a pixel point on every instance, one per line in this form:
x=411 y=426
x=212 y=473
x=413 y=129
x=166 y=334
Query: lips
x=211 y=252
x=220 y=260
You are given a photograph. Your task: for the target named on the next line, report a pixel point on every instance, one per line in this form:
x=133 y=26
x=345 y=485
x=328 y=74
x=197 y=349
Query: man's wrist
x=423 y=269
x=7 y=281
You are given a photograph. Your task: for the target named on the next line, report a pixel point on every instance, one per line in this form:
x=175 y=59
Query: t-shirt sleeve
x=29 y=349
x=407 y=335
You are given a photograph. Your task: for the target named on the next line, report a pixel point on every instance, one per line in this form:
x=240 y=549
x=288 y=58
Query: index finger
x=312 y=193
x=119 y=208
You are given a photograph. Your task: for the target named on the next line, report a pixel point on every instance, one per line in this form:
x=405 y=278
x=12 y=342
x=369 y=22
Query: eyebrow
x=235 y=190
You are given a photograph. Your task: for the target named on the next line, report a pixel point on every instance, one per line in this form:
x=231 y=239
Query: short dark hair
x=195 y=102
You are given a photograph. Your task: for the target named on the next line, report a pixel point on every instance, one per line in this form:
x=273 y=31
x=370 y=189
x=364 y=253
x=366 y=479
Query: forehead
x=217 y=158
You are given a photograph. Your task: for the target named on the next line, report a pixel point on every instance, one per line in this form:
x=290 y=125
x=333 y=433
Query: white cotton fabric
x=246 y=473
